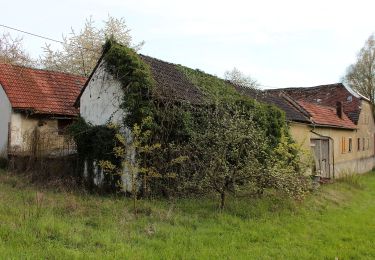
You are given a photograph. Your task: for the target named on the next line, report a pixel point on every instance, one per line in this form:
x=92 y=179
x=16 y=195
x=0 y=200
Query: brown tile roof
x=292 y=112
x=326 y=116
x=171 y=83
x=328 y=95
x=41 y=91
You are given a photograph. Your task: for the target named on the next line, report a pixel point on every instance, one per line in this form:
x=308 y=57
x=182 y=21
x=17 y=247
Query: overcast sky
x=280 y=43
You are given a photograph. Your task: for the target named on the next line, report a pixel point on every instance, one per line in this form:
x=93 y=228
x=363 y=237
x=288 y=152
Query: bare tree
x=81 y=50
x=239 y=78
x=12 y=51
x=361 y=75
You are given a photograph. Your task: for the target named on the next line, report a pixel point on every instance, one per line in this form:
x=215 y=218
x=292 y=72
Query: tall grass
x=35 y=223
x=352 y=179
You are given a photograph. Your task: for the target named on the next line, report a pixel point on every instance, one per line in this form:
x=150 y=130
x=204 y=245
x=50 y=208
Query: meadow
x=338 y=220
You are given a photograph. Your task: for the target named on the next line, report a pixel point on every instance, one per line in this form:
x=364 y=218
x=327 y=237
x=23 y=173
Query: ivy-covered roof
x=293 y=111
x=171 y=83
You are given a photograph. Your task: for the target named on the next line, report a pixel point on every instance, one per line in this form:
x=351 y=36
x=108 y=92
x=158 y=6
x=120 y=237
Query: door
x=321 y=155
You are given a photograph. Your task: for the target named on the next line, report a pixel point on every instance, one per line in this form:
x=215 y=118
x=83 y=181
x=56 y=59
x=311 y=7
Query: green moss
x=215 y=88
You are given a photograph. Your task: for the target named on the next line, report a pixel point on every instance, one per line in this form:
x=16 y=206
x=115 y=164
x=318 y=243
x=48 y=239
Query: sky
x=279 y=43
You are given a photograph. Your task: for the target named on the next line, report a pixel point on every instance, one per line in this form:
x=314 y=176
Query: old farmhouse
x=332 y=121
x=35 y=100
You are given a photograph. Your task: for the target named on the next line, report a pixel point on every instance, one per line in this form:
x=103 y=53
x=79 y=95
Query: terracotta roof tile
x=42 y=91
x=328 y=95
x=326 y=116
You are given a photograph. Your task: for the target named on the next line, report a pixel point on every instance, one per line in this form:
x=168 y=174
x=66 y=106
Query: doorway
x=320 y=149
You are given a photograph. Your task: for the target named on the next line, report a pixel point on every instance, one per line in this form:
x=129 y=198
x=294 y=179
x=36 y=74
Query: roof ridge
x=40 y=69
x=307 y=88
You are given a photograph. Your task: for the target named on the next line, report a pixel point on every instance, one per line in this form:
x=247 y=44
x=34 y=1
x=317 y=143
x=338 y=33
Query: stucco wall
x=355 y=161
x=22 y=128
x=99 y=103
x=301 y=134
x=5 y=112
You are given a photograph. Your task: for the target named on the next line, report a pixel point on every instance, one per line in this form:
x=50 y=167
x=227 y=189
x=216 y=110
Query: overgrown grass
x=337 y=221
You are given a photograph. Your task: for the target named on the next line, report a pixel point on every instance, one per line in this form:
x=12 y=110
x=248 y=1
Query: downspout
x=333 y=148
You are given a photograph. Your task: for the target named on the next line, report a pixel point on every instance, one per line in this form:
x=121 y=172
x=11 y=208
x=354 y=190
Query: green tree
x=231 y=151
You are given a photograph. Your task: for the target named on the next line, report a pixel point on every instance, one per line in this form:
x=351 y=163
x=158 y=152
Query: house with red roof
x=35 y=101
x=340 y=131
x=331 y=122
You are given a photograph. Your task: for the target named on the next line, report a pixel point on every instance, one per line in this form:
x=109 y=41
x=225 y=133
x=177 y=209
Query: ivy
x=165 y=133
x=269 y=118
x=94 y=144
x=136 y=80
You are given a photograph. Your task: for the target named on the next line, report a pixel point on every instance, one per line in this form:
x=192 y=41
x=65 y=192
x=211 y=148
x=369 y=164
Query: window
x=350 y=145
x=368 y=143
x=343 y=145
x=62 y=124
x=363 y=144
x=358 y=144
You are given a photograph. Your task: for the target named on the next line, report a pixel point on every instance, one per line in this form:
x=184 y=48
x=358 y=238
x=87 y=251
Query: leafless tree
x=81 y=50
x=361 y=75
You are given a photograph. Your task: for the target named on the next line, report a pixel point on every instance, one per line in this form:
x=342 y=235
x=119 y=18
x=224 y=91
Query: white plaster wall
x=16 y=130
x=5 y=113
x=99 y=103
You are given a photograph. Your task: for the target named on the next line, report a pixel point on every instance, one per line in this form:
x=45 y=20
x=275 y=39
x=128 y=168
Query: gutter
x=333 y=149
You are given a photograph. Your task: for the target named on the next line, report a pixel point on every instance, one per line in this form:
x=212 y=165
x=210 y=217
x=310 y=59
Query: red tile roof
x=326 y=116
x=328 y=95
x=42 y=91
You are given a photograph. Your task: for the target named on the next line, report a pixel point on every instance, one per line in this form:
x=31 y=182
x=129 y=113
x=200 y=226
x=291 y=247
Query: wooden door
x=321 y=155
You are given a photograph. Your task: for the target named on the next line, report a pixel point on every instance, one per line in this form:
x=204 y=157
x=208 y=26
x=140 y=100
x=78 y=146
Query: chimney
x=339 y=109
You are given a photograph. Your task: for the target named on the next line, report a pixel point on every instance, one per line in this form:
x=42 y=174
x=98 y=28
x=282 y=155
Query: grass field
x=337 y=221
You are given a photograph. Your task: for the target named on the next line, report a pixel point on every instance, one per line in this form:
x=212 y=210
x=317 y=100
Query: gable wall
x=5 y=113
x=101 y=99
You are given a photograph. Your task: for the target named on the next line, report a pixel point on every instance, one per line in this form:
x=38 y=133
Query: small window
x=343 y=145
x=62 y=124
x=363 y=144
x=350 y=145
x=358 y=144
x=368 y=143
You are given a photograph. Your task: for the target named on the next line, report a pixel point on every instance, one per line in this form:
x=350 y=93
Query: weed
x=351 y=178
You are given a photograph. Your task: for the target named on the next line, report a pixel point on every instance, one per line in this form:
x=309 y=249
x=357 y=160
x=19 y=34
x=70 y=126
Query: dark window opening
x=62 y=124
x=363 y=144
x=358 y=144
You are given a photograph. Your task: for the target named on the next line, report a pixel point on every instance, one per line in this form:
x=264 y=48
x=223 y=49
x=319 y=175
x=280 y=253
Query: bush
x=3 y=163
